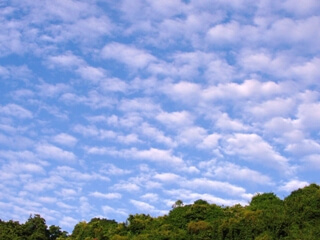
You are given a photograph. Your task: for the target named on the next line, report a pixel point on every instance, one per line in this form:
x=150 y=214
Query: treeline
x=266 y=217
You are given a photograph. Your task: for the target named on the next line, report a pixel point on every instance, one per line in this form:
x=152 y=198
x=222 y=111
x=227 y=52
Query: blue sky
x=111 y=108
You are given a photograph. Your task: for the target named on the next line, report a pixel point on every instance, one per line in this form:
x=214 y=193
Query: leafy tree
x=10 y=230
x=302 y=208
x=200 y=230
x=35 y=228
x=266 y=217
x=80 y=231
x=177 y=217
x=119 y=237
x=272 y=216
x=55 y=232
x=138 y=223
x=178 y=203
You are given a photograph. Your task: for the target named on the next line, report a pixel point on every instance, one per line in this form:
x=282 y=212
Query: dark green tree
x=35 y=228
x=302 y=209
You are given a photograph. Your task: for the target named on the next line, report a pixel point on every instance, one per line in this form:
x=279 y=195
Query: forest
x=266 y=217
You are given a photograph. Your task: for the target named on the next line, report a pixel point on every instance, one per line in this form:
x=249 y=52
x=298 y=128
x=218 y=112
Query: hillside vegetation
x=266 y=217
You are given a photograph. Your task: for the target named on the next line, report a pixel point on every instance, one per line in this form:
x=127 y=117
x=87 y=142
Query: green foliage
x=266 y=218
x=265 y=201
x=138 y=223
x=97 y=228
x=118 y=237
x=302 y=212
x=55 y=233
x=10 y=230
x=36 y=229
x=178 y=203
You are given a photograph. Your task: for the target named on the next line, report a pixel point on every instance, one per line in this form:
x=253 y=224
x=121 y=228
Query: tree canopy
x=265 y=217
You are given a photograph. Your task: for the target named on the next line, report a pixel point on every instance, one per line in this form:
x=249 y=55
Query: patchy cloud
x=148 y=102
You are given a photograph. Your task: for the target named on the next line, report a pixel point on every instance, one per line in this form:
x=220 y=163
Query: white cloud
x=91 y=73
x=52 y=90
x=159 y=156
x=67 y=60
x=86 y=130
x=293 y=185
x=47 y=200
x=308 y=71
x=111 y=169
x=168 y=177
x=4 y=72
x=167 y=8
x=297 y=32
x=304 y=147
x=84 y=206
x=312 y=161
x=191 y=196
x=113 y=85
x=186 y=92
x=309 y=116
x=192 y=135
x=66 y=206
x=126 y=186
x=264 y=62
x=129 y=139
x=65 y=139
x=17 y=155
x=19 y=142
x=144 y=105
x=248 y=89
x=302 y=9
x=38 y=186
x=272 y=108
x=87 y=29
x=142 y=206
x=175 y=119
x=49 y=151
x=98 y=150
x=15 y=111
x=74 y=174
x=68 y=11
x=106 y=195
x=23 y=94
x=252 y=147
x=230 y=171
x=26 y=167
x=152 y=197
x=211 y=141
x=225 y=123
x=155 y=134
x=111 y=210
x=219 y=71
x=206 y=184
x=67 y=192
x=68 y=222
x=280 y=125
x=224 y=33
x=129 y=55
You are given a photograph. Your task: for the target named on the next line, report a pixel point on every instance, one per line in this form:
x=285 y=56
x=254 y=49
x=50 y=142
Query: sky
x=110 y=108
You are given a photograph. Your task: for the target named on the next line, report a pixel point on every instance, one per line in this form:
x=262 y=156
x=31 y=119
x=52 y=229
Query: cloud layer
x=125 y=107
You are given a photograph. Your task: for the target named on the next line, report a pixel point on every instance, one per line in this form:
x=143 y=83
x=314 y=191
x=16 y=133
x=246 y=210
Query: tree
x=35 y=228
x=272 y=216
x=138 y=223
x=178 y=203
x=55 y=232
x=10 y=230
x=302 y=210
